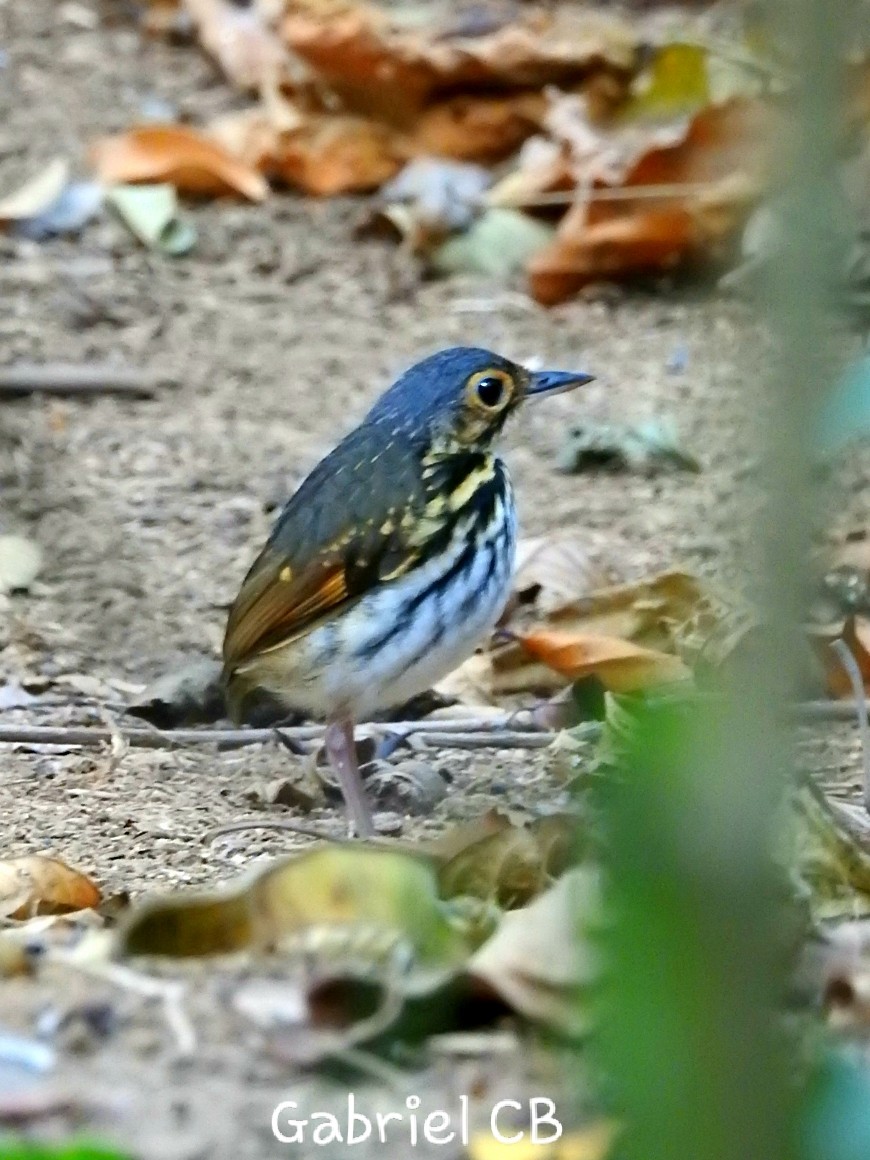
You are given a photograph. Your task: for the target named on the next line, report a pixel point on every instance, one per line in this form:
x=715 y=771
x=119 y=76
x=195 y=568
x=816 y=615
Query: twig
x=268 y=824
x=76 y=379
x=143 y=738
x=828 y=710
x=618 y=193
x=494 y=740
x=854 y=673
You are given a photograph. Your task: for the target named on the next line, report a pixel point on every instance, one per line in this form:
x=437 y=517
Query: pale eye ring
x=491 y=389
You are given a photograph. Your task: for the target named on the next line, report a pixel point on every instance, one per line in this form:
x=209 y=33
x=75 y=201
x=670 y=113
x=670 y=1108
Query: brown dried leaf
x=647 y=612
x=654 y=614
x=718 y=161
x=34 y=884
x=178 y=155
x=622 y=667
x=319 y=153
x=477 y=128
x=855 y=634
x=377 y=63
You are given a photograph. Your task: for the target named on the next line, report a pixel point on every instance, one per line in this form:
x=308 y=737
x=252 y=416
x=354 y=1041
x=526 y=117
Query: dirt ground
x=272 y=337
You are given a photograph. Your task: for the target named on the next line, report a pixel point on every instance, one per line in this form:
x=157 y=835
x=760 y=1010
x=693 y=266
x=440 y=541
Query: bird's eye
x=490 y=389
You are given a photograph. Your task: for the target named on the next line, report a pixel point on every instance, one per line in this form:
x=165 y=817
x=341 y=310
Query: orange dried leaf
x=34 y=885
x=178 y=155
x=476 y=128
x=621 y=666
x=855 y=635
x=316 y=152
x=332 y=155
x=378 y=63
x=636 y=243
x=718 y=162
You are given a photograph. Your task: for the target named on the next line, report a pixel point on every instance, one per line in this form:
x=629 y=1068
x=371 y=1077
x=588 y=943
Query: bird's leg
x=341 y=751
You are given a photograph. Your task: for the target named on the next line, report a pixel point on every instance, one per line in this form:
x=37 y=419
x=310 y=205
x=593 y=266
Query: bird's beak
x=555 y=382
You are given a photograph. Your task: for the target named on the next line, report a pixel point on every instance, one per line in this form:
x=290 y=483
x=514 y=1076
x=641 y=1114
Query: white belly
x=401 y=639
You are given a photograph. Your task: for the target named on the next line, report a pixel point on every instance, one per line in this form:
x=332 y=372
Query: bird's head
x=461 y=397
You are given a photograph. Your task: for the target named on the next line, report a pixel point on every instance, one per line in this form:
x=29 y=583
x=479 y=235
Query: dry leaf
x=348 y=898
x=553 y=571
x=648 y=612
x=665 y=615
x=376 y=63
x=239 y=38
x=537 y=961
x=329 y=155
x=498 y=861
x=36 y=195
x=20 y=562
x=855 y=634
x=35 y=884
x=718 y=160
x=477 y=128
x=622 y=667
x=825 y=850
x=319 y=153
x=471 y=684
x=592 y=1143
x=543 y=166
x=191 y=695
x=178 y=155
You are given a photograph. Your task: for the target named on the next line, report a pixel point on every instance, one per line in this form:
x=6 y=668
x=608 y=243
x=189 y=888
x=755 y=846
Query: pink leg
x=341 y=752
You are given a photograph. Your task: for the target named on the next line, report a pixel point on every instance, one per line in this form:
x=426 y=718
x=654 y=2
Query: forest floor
x=276 y=332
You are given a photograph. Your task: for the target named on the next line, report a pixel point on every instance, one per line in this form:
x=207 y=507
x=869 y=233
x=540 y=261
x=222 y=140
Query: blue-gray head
x=464 y=394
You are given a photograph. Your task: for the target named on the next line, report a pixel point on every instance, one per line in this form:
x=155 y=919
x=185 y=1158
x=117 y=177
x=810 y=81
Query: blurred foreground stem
x=697 y=953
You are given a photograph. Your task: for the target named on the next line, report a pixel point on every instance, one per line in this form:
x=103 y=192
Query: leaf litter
x=631 y=148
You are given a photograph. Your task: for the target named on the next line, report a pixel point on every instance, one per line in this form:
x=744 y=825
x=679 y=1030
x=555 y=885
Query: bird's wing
x=340 y=534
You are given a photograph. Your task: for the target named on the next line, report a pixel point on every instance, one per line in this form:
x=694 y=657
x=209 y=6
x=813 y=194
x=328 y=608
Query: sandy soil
x=276 y=333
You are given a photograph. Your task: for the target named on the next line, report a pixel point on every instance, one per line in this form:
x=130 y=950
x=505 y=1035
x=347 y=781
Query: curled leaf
x=34 y=884
x=151 y=212
x=179 y=156
x=537 y=961
x=553 y=571
x=341 y=896
x=36 y=195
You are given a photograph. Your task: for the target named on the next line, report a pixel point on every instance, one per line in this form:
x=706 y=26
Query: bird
x=392 y=560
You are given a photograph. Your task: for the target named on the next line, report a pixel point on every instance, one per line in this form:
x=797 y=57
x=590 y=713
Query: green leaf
x=151 y=213
x=12 y=1149
x=676 y=82
x=499 y=243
